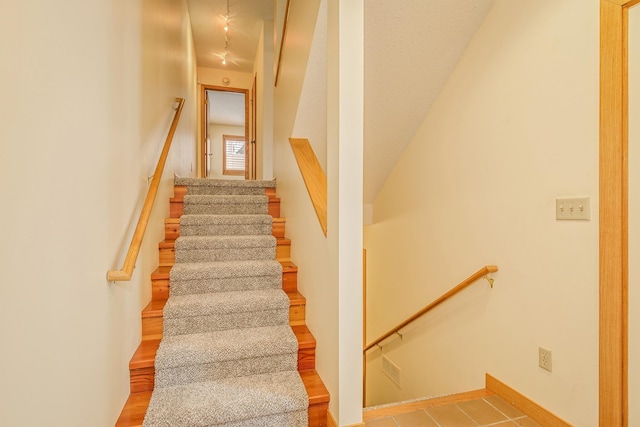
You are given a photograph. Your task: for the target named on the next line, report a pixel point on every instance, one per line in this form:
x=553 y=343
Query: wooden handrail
x=126 y=272
x=284 y=33
x=475 y=276
x=313 y=176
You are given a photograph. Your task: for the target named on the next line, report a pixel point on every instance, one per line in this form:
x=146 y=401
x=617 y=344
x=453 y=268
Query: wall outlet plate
x=544 y=358
x=573 y=208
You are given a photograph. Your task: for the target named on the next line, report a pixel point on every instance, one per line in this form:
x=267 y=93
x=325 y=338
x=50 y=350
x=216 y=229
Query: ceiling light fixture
x=226 y=36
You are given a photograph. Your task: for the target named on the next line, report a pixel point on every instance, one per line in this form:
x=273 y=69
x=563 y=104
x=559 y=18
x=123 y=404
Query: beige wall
x=311 y=117
x=515 y=127
x=309 y=248
x=345 y=126
x=87 y=103
x=215 y=135
x=263 y=73
x=327 y=266
x=634 y=215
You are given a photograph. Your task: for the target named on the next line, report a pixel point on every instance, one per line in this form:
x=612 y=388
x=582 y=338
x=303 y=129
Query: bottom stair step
x=185 y=359
x=274 y=399
x=136 y=407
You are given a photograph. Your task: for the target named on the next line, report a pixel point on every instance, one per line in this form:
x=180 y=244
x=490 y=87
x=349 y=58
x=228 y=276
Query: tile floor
x=486 y=411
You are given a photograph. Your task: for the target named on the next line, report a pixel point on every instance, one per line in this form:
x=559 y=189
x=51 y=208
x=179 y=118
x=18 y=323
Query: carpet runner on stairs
x=228 y=356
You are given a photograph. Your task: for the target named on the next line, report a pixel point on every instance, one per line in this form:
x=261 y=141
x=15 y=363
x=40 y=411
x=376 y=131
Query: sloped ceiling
x=245 y=24
x=411 y=48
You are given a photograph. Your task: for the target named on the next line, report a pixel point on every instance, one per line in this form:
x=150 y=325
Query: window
x=233 y=155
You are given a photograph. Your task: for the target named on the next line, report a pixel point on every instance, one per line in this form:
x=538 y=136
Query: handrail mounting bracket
x=490 y=280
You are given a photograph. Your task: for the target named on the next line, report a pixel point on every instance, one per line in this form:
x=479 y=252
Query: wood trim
x=203 y=119
x=253 y=140
x=313 y=176
x=403 y=408
x=284 y=33
x=468 y=281
x=331 y=421
x=124 y=274
x=364 y=327
x=613 y=347
x=626 y=3
x=523 y=403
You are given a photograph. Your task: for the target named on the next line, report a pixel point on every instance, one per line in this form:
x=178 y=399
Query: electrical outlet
x=544 y=358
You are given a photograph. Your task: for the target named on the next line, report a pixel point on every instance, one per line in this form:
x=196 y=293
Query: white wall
x=330 y=273
x=345 y=127
x=216 y=132
x=634 y=214
x=87 y=104
x=309 y=248
x=263 y=72
x=311 y=117
x=515 y=127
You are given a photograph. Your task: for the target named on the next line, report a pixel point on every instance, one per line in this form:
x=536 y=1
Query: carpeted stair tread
x=225 y=204
x=198 y=249
x=224 y=199
x=195 y=313
x=186 y=220
x=225 y=183
x=239 y=224
x=224 y=242
x=216 y=270
x=257 y=400
x=197 y=278
x=209 y=356
x=225 y=302
x=181 y=350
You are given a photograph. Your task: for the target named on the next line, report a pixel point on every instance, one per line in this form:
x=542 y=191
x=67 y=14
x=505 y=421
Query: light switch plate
x=573 y=208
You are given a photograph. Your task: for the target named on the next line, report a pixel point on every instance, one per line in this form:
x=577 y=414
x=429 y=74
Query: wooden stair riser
x=159 y=289
x=177 y=201
x=172 y=228
x=290 y=281
x=168 y=251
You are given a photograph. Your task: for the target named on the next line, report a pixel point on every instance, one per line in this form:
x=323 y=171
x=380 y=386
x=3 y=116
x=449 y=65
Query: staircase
x=236 y=351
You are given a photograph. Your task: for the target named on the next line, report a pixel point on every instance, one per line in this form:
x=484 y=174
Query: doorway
x=225 y=143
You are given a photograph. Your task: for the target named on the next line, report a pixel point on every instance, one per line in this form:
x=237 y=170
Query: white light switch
x=576 y=208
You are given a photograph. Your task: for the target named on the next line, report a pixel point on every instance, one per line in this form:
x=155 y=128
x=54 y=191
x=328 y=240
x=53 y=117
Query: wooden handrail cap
x=118 y=276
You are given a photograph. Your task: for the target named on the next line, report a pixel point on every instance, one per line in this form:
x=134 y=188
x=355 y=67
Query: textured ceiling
x=245 y=24
x=411 y=48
